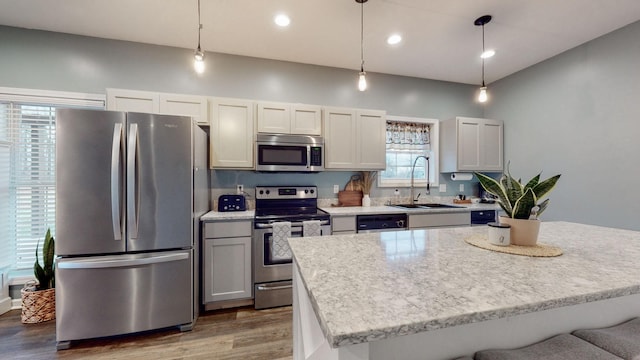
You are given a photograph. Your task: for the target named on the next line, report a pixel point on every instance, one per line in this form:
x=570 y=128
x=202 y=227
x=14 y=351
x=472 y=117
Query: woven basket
x=37 y=305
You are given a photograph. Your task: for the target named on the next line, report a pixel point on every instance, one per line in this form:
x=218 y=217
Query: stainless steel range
x=281 y=208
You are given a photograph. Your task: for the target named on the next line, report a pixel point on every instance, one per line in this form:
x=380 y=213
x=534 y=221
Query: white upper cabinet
x=231 y=133
x=274 y=118
x=471 y=144
x=159 y=103
x=372 y=147
x=185 y=105
x=306 y=119
x=284 y=118
x=133 y=100
x=339 y=138
x=354 y=139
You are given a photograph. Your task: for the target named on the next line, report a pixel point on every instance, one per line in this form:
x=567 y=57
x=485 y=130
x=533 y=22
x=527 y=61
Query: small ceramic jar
x=499 y=234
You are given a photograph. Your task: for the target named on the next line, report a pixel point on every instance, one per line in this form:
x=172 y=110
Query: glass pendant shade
x=198 y=62
x=362 y=81
x=483 y=96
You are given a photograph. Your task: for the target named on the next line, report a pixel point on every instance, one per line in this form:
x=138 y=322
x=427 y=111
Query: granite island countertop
x=376 y=286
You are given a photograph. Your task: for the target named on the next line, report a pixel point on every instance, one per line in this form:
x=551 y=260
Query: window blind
x=27 y=162
x=6 y=247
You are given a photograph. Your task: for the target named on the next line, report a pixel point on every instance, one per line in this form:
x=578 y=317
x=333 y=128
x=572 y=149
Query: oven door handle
x=293 y=224
x=274 y=287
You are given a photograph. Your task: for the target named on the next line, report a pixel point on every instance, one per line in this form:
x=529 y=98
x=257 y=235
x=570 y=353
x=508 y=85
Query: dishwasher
x=381 y=222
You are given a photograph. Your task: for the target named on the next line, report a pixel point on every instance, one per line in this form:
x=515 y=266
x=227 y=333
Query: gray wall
x=54 y=61
x=578 y=114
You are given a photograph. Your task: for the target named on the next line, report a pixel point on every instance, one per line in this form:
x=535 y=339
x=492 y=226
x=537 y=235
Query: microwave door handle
x=308 y=156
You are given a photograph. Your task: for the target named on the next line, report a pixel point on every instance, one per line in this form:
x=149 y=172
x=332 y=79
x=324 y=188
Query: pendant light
x=482 y=21
x=362 y=80
x=198 y=56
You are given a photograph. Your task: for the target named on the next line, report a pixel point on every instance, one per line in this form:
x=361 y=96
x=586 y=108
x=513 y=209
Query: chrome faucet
x=413 y=168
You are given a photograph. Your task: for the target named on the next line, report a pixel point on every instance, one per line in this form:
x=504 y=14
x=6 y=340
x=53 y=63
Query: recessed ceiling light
x=487 y=54
x=394 y=39
x=282 y=20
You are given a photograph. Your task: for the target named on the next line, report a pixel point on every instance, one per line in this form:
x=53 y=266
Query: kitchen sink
x=426 y=206
x=408 y=206
x=436 y=205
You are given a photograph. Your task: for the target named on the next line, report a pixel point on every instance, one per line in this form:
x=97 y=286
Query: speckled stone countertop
x=369 y=287
x=388 y=209
x=352 y=210
x=231 y=215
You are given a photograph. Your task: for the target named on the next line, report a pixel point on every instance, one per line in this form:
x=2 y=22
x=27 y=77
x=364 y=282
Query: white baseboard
x=16 y=304
x=5 y=305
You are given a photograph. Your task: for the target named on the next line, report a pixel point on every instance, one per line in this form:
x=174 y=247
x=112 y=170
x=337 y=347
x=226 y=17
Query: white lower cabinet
x=226 y=267
x=419 y=221
x=343 y=225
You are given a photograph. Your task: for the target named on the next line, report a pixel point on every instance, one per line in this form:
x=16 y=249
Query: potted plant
x=38 y=300
x=521 y=203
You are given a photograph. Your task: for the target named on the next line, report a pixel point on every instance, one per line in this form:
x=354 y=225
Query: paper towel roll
x=461 y=176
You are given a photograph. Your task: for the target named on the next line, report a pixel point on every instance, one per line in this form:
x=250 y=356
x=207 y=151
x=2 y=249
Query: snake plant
x=518 y=199
x=45 y=273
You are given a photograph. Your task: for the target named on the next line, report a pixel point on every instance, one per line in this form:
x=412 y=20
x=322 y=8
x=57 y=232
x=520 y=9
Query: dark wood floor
x=242 y=333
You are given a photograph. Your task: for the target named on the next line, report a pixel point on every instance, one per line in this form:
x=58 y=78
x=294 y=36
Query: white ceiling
x=439 y=39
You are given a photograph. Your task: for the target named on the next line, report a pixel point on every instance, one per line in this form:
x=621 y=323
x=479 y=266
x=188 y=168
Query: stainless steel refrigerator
x=130 y=188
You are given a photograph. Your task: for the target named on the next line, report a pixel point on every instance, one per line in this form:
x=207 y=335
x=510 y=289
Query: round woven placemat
x=540 y=250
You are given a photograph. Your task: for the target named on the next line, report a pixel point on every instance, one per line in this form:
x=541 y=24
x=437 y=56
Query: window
x=27 y=165
x=407 y=139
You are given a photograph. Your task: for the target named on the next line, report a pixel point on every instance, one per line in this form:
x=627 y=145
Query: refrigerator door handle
x=116 y=219
x=132 y=194
x=118 y=263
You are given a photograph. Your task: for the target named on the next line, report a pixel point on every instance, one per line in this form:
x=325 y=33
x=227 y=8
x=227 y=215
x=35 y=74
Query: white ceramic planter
x=524 y=232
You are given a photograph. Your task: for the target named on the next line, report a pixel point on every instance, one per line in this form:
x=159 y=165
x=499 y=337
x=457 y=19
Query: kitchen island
x=426 y=294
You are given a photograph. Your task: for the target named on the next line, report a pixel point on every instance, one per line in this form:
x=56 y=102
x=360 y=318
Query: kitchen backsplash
x=225 y=181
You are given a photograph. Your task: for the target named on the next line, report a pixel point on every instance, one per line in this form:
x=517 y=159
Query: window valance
x=408 y=136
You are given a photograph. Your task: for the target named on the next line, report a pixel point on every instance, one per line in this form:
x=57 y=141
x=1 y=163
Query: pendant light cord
x=362 y=36
x=483 y=55
x=199 y=25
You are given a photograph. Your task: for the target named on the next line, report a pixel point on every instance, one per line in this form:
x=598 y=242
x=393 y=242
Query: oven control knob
x=306 y=191
x=312 y=191
x=268 y=191
x=400 y=223
x=261 y=192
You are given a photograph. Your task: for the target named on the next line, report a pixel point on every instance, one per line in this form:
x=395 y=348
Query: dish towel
x=279 y=245
x=311 y=228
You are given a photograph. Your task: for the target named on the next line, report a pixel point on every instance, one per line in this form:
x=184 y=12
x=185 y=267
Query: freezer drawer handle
x=267 y=287
x=115 y=182
x=132 y=196
x=114 y=263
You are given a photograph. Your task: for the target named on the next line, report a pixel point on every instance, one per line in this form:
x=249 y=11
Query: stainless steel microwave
x=283 y=152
